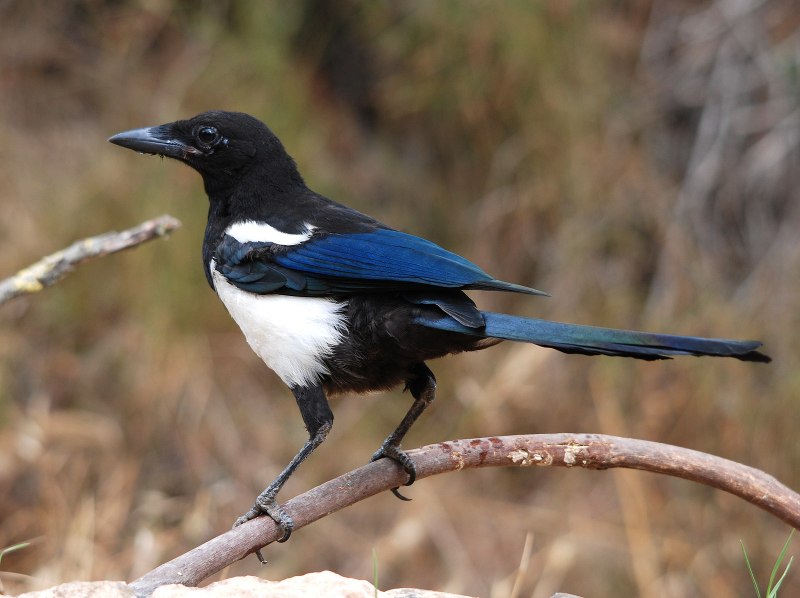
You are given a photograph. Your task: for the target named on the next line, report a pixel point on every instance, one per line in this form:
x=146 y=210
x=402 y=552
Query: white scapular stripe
x=250 y=230
x=291 y=334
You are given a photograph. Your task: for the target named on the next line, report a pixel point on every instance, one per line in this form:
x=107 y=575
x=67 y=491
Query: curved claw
x=266 y=505
x=396 y=492
x=399 y=456
x=277 y=513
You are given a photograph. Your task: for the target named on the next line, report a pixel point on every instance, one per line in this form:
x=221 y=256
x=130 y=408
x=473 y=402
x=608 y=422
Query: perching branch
x=589 y=451
x=54 y=267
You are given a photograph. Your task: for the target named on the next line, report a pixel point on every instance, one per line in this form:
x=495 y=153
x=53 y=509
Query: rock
x=324 y=583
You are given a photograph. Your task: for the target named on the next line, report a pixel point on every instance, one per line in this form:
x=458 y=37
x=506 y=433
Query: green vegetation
x=10 y=549
x=774 y=584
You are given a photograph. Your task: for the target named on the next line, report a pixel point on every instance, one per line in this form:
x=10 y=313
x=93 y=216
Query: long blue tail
x=591 y=340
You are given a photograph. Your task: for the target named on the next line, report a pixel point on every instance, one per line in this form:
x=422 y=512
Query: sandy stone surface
x=324 y=583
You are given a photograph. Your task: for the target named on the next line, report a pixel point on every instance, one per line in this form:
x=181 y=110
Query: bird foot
x=395 y=453
x=267 y=505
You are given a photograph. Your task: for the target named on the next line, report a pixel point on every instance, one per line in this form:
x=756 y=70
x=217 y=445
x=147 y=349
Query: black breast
x=383 y=343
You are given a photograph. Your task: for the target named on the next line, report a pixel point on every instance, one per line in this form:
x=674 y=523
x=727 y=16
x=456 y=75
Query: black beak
x=154 y=140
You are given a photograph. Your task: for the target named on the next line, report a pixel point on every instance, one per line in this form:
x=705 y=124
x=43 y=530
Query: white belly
x=291 y=334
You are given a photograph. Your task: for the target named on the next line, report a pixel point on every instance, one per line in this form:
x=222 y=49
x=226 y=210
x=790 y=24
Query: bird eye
x=207 y=135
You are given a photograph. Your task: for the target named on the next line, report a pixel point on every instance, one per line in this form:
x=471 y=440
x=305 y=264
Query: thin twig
x=54 y=267
x=588 y=451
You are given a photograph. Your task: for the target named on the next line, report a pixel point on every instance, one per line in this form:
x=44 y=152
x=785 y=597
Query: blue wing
x=382 y=259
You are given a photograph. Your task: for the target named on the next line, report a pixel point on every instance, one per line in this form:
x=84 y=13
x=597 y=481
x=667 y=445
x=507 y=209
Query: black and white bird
x=335 y=301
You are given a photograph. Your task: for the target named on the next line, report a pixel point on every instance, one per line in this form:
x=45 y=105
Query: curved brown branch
x=589 y=451
x=54 y=267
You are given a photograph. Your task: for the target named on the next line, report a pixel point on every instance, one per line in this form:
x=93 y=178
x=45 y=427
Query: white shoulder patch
x=251 y=231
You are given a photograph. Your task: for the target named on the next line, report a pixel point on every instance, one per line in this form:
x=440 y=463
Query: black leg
x=422 y=385
x=318 y=418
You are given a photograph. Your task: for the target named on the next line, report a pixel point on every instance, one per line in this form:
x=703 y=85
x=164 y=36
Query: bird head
x=222 y=146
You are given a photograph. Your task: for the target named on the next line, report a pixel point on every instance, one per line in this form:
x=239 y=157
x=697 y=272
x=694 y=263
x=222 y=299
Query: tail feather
x=591 y=340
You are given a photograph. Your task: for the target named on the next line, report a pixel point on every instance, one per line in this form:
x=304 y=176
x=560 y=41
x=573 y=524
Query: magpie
x=334 y=301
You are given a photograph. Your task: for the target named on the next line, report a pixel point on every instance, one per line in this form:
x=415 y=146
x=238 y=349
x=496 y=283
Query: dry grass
x=639 y=165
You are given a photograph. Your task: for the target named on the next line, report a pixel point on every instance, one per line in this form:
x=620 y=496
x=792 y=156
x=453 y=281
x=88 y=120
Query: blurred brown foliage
x=638 y=160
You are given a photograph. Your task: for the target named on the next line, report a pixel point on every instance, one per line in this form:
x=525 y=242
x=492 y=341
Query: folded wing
x=379 y=260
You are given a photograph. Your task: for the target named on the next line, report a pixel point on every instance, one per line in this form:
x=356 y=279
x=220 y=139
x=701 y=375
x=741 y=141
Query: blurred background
x=639 y=160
